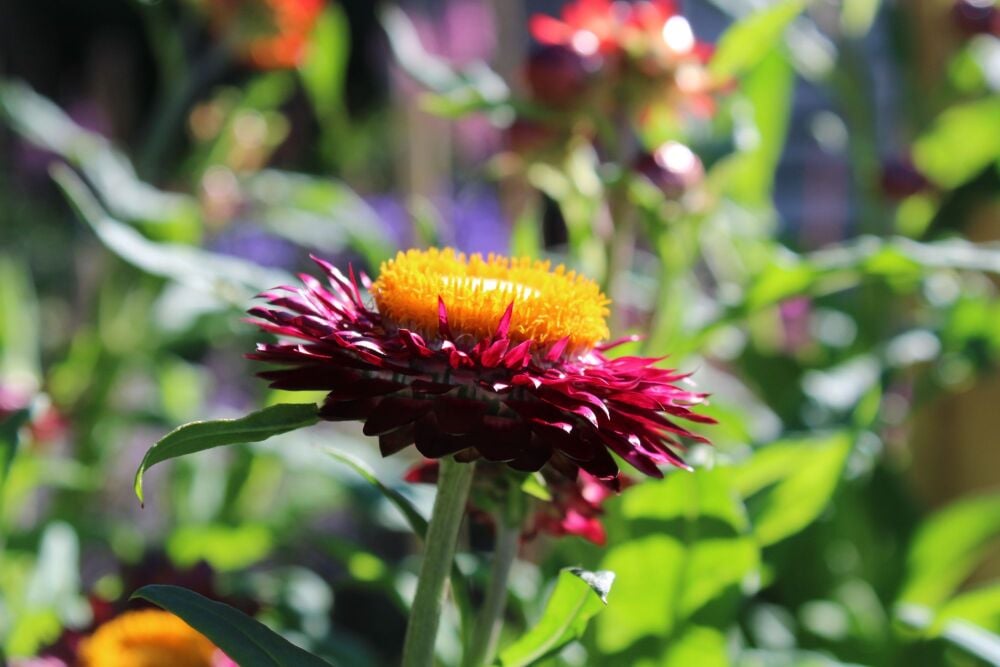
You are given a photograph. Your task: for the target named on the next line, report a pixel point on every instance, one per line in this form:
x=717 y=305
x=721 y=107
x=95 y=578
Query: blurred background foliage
x=826 y=264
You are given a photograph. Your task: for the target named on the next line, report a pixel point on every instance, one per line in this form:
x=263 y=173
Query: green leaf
x=686 y=543
x=980 y=606
x=471 y=87
x=792 y=482
x=948 y=546
x=246 y=641
x=749 y=40
x=233 y=279
x=963 y=141
x=577 y=597
x=202 y=435
x=748 y=176
x=857 y=17
x=109 y=170
x=700 y=645
x=325 y=63
x=418 y=524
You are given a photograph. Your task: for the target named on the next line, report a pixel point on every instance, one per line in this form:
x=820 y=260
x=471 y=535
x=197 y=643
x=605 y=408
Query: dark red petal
x=433 y=443
x=336 y=411
x=456 y=416
x=394 y=441
x=393 y=412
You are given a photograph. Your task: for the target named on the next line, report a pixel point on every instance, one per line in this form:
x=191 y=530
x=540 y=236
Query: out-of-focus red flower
x=495 y=358
x=646 y=47
x=673 y=168
x=589 y=27
x=270 y=34
x=576 y=508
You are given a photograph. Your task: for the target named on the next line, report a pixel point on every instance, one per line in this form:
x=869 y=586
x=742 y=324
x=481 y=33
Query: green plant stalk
x=454 y=481
x=489 y=620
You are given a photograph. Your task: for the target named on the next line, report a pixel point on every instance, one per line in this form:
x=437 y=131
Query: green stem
x=454 y=481
x=489 y=621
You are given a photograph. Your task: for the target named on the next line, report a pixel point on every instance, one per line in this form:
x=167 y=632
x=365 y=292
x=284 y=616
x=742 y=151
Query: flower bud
x=673 y=168
x=900 y=179
x=976 y=17
x=557 y=76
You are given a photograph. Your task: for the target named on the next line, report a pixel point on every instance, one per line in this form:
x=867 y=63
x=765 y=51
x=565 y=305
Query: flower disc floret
x=497 y=359
x=551 y=304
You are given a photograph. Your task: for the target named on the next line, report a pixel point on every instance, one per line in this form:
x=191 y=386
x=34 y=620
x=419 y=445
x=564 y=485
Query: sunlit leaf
x=963 y=141
x=793 y=482
x=949 y=545
x=748 y=175
x=749 y=40
x=857 y=17
x=697 y=645
x=246 y=641
x=199 y=436
x=693 y=527
x=577 y=597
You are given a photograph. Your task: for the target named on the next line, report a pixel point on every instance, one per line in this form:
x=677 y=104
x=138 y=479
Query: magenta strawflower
x=494 y=358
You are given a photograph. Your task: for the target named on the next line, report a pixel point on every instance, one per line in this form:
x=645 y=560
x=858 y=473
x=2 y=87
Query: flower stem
x=489 y=621
x=454 y=481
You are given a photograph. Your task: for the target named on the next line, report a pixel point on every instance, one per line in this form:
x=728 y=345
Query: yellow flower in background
x=148 y=638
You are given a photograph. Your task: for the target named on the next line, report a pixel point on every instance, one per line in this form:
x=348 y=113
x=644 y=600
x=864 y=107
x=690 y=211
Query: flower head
x=478 y=357
x=149 y=638
x=270 y=34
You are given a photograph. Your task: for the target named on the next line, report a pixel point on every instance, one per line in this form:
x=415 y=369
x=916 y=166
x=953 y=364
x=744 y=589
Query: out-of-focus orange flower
x=149 y=638
x=270 y=34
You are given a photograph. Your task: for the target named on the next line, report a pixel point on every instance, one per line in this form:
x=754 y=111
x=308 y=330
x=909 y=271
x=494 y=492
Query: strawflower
x=495 y=358
x=149 y=638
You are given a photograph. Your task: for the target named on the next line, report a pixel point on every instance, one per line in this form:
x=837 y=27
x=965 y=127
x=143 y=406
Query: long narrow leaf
x=246 y=641
x=202 y=435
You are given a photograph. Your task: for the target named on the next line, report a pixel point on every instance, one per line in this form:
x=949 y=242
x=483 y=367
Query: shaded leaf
x=246 y=641
x=233 y=279
x=577 y=597
x=202 y=435
x=109 y=170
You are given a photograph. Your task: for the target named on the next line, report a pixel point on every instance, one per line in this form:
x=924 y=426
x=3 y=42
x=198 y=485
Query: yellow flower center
x=549 y=304
x=148 y=638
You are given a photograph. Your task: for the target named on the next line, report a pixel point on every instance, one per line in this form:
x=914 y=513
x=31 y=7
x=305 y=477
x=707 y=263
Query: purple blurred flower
x=256 y=245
